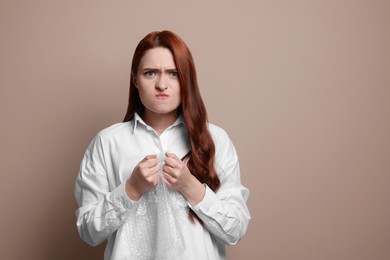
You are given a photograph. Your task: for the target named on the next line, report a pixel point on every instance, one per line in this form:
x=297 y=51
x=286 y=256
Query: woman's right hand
x=145 y=176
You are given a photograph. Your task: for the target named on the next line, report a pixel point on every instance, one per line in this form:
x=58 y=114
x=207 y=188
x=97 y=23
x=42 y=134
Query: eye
x=150 y=73
x=174 y=74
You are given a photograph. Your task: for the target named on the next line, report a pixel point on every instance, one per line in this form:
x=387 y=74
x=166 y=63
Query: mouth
x=162 y=96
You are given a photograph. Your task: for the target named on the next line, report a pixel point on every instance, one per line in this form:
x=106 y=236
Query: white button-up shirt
x=104 y=206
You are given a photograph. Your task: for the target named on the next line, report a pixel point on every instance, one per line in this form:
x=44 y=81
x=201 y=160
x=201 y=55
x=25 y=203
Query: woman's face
x=157 y=82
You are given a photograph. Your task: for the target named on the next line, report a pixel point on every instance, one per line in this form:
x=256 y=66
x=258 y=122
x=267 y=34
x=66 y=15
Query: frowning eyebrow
x=156 y=69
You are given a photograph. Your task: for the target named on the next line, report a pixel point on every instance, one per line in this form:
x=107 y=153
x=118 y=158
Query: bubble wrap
x=154 y=232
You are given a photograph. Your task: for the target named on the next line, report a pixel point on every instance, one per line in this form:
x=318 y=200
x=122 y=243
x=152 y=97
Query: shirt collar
x=138 y=120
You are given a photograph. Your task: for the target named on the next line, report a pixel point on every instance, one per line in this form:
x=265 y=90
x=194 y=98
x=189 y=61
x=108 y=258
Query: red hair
x=202 y=153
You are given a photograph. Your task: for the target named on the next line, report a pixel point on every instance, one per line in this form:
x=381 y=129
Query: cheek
x=144 y=86
x=178 y=89
x=178 y=95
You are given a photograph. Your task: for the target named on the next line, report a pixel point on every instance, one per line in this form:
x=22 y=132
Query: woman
x=164 y=183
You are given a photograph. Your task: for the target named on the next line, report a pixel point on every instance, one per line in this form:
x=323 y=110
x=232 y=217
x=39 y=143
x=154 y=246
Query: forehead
x=157 y=58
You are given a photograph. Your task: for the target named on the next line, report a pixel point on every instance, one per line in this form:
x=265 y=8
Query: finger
x=168 y=161
x=167 y=183
x=146 y=172
x=168 y=178
x=172 y=162
x=168 y=170
x=150 y=162
x=171 y=155
x=153 y=178
x=149 y=156
x=154 y=170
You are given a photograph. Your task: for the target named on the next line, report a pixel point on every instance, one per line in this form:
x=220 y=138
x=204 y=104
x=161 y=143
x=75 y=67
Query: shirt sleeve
x=101 y=211
x=225 y=213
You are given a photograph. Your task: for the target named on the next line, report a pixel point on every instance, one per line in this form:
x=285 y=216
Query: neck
x=159 y=122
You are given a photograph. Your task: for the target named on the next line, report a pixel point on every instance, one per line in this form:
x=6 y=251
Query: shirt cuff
x=121 y=200
x=208 y=205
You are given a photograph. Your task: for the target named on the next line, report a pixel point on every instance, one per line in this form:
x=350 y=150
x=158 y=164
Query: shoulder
x=219 y=135
x=226 y=159
x=115 y=131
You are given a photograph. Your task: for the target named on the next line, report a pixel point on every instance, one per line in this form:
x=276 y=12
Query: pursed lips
x=162 y=96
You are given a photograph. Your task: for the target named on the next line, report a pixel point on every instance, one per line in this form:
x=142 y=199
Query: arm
x=225 y=213
x=101 y=211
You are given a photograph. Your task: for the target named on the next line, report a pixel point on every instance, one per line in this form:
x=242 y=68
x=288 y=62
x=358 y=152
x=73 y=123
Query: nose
x=161 y=83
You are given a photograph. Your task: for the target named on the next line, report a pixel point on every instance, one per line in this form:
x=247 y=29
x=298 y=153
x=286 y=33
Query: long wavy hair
x=202 y=153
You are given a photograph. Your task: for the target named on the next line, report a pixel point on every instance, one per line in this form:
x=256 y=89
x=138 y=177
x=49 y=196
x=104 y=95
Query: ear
x=134 y=79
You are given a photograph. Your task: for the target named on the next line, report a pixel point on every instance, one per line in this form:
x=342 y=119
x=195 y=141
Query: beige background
x=302 y=87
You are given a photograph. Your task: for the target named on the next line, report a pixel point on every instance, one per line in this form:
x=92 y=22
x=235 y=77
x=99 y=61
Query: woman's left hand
x=176 y=174
x=178 y=177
